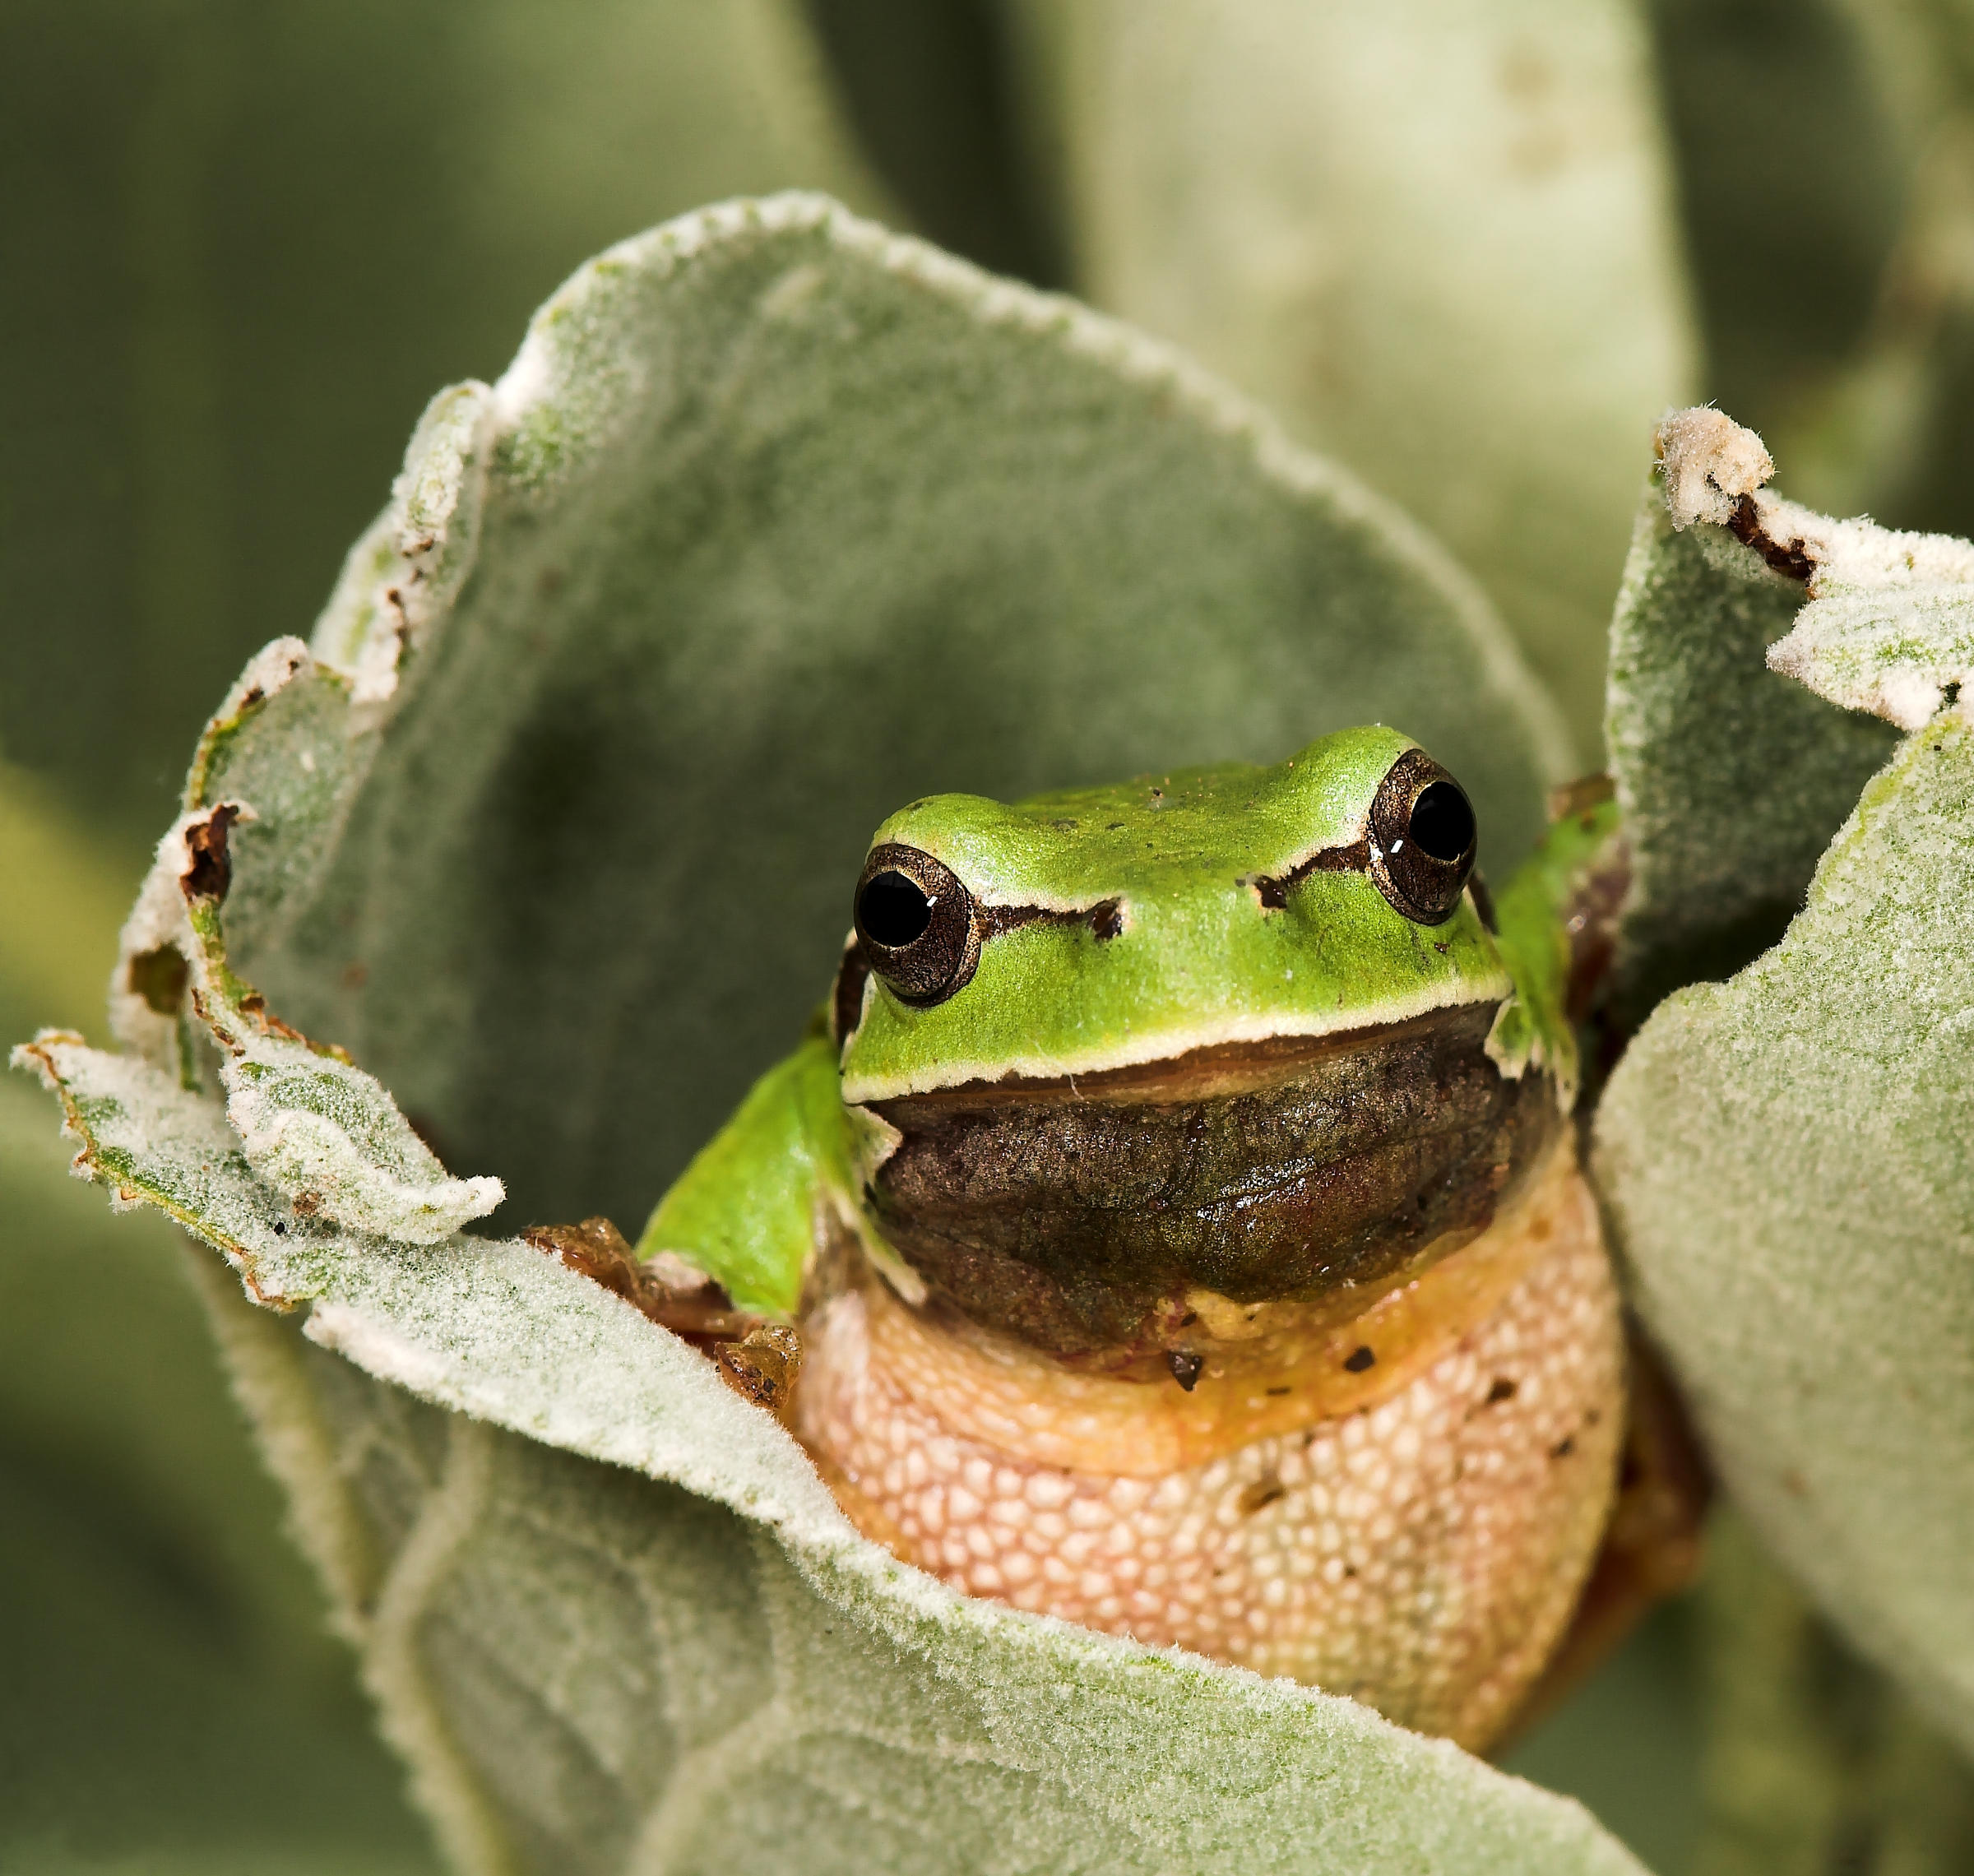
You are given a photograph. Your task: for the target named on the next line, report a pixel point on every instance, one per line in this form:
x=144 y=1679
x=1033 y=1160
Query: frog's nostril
x=1443 y=821
x=892 y=910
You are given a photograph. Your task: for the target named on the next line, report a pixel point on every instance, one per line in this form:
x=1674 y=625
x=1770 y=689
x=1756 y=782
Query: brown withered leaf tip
x=763 y=1366
x=1790 y=558
x=758 y=1359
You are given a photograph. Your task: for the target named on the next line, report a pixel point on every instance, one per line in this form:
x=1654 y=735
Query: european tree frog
x=1178 y=1208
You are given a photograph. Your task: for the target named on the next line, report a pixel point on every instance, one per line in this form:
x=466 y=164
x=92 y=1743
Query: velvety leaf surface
x=1785 y=1158
x=153 y=1616
x=1731 y=781
x=776 y=523
x=1437 y=241
x=591 y=1671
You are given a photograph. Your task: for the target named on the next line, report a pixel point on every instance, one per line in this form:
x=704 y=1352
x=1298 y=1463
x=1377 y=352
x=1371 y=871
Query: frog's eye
x=1422 y=839
x=917 y=924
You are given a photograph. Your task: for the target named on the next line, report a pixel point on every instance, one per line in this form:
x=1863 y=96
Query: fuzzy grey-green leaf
x=1731 y=781
x=1786 y=1160
x=1782 y=1155
x=591 y=1671
x=282 y=753
x=777 y=521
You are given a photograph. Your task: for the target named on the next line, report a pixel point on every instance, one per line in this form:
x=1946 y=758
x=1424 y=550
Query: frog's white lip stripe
x=1162 y=1044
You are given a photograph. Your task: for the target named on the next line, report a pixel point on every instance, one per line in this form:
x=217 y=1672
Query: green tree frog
x=1178 y=1205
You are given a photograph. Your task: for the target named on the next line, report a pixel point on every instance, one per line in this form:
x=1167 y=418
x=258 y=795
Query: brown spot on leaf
x=672 y=1294
x=758 y=1358
x=159 y=978
x=764 y=1366
x=253 y=1004
x=1359 y=1359
x=1504 y=1389
x=306 y=1204
x=209 y=870
x=1789 y=558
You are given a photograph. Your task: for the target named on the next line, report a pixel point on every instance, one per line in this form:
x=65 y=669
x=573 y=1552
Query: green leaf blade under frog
x=443 y=1537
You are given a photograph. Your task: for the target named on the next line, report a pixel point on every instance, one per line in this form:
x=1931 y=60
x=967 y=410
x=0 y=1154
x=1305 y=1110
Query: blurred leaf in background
x=1438 y=238
x=1815 y=1762
x=1474 y=249
x=242 y=246
x=1826 y=158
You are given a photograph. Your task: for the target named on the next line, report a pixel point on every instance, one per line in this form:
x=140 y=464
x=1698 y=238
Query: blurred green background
x=240 y=246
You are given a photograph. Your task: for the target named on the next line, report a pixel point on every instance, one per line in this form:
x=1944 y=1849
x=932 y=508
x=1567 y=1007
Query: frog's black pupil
x=892 y=910
x=1443 y=823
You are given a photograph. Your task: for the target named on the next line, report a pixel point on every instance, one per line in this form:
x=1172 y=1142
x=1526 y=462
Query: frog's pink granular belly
x=1424 y=1554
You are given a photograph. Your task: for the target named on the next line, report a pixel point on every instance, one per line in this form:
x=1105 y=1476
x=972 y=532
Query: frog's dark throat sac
x=1077 y=1218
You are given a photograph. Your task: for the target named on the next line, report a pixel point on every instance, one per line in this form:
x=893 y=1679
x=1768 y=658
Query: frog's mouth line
x=1075 y=1210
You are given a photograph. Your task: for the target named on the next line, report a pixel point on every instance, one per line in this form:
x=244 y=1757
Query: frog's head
x=1105 y=927
x=1216 y=1027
